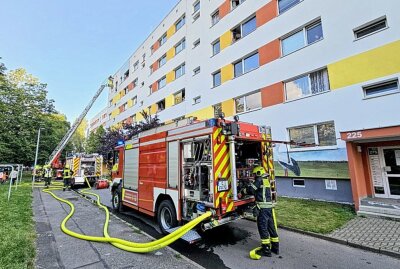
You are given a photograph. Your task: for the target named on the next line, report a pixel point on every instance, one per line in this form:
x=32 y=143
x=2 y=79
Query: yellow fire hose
x=121 y=243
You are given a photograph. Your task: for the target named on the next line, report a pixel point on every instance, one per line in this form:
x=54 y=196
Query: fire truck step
x=191 y=236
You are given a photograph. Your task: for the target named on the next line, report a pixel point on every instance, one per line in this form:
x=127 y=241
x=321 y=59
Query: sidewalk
x=58 y=250
x=382 y=235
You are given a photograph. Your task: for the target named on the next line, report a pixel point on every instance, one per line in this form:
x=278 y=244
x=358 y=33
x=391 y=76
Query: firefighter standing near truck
x=67 y=174
x=266 y=224
x=47 y=174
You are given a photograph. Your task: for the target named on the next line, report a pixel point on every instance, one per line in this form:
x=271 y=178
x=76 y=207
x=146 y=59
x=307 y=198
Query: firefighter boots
x=275 y=248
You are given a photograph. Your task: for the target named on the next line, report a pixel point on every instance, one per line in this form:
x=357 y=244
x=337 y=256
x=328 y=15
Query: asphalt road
x=228 y=246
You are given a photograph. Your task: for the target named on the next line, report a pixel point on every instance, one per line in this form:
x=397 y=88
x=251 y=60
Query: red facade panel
x=267 y=13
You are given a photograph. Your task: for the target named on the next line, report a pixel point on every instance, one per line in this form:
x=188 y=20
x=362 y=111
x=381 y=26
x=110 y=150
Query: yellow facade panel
x=171 y=31
x=170 y=53
x=130 y=103
x=227 y=107
x=139 y=117
x=225 y=40
x=226 y=73
x=202 y=114
x=170 y=76
x=169 y=101
x=372 y=64
x=153 y=109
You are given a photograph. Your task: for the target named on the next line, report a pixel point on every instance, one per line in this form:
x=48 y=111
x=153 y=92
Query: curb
x=93 y=201
x=343 y=242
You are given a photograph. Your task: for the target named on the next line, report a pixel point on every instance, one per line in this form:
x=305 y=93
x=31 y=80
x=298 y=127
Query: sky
x=74 y=45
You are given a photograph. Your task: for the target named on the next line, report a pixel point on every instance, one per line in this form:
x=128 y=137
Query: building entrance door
x=391 y=171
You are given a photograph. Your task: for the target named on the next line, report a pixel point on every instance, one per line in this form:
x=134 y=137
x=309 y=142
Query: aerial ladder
x=57 y=151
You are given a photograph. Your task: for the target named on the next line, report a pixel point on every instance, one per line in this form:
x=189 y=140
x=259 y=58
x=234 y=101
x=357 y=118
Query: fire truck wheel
x=116 y=201
x=166 y=216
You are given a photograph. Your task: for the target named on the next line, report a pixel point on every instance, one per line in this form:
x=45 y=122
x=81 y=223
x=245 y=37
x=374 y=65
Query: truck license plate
x=222 y=185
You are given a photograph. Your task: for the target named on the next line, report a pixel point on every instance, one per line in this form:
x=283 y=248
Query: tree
x=93 y=142
x=77 y=142
x=24 y=108
x=111 y=137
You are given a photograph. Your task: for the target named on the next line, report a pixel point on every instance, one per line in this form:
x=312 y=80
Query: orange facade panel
x=154 y=87
x=156 y=46
x=155 y=66
x=130 y=86
x=224 y=9
x=267 y=13
x=272 y=95
x=269 y=52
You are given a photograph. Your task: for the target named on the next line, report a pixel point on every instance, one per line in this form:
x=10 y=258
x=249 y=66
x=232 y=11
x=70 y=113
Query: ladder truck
x=54 y=156
x=177 y=172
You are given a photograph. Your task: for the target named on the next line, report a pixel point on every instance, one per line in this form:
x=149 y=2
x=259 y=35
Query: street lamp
x=36 y=156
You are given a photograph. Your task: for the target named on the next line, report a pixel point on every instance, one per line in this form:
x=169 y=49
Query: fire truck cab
x=177 y=172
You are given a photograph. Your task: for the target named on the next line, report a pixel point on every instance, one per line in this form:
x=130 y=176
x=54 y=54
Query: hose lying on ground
x=118 y=242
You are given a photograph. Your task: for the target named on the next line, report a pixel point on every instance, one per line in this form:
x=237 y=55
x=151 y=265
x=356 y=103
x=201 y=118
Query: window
x=216 y=46
x=382 y=88
x=196 y=100
x=136 y=66
x=151 y=69
x=125 y=90
x=330 y=184
x=125 y=106
x=126 y=74
x=307 y=85
x=370 y=28
x=152 y=49
x=143 y=65
x=196 y=6
x=215 y=17
x=179 y=97
x=249 y=26
x=306 y=36
x=161 y=105
x=162 y=60
x=180 y=23
x=217 y=79
x=180 y=71
x=196 y=43
x=246 y=65
x=163 y=39
x=299 y=183
x=144 y=57
x=321 y=135
x=217 y=110
x=134 y=100
x=248 y=102
x=162 y=82
x=196 y=16
x=244 y=29
x=135 y=81
x=196 y=71
x=133 y=118
x=141 y=103
x=110 y=103
x=285 y=5
x=180 y=46
x=236 y=3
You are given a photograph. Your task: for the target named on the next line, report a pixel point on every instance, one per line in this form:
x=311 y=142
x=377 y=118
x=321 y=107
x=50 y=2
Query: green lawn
x=312 y=216
x=17 y=230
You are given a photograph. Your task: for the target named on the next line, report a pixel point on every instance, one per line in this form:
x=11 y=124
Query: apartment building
x=100 y=119
x=323 y=73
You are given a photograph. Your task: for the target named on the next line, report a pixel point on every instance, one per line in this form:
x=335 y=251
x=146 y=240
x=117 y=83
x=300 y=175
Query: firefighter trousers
x=67 y=183
x=47 y=181
x=266 y=227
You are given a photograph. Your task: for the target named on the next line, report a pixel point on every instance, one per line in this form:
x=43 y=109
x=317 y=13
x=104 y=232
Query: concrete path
x=376 y=233
x=58 y=250
x=228 y=246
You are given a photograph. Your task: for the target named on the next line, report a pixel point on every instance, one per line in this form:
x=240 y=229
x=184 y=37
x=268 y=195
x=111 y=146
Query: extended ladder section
x=75 y=126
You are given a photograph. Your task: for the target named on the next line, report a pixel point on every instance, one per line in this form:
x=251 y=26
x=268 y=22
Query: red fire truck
x=178 y=171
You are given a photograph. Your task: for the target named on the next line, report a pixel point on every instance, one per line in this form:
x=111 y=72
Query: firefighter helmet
x=259 y=171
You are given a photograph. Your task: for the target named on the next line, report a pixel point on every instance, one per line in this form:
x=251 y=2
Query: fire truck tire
x=116 y=200
x=166 y=216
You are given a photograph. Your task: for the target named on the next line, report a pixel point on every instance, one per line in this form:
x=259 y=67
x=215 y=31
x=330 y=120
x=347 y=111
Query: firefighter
x=266 y=223
x=47 y=174
x=67 y=174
